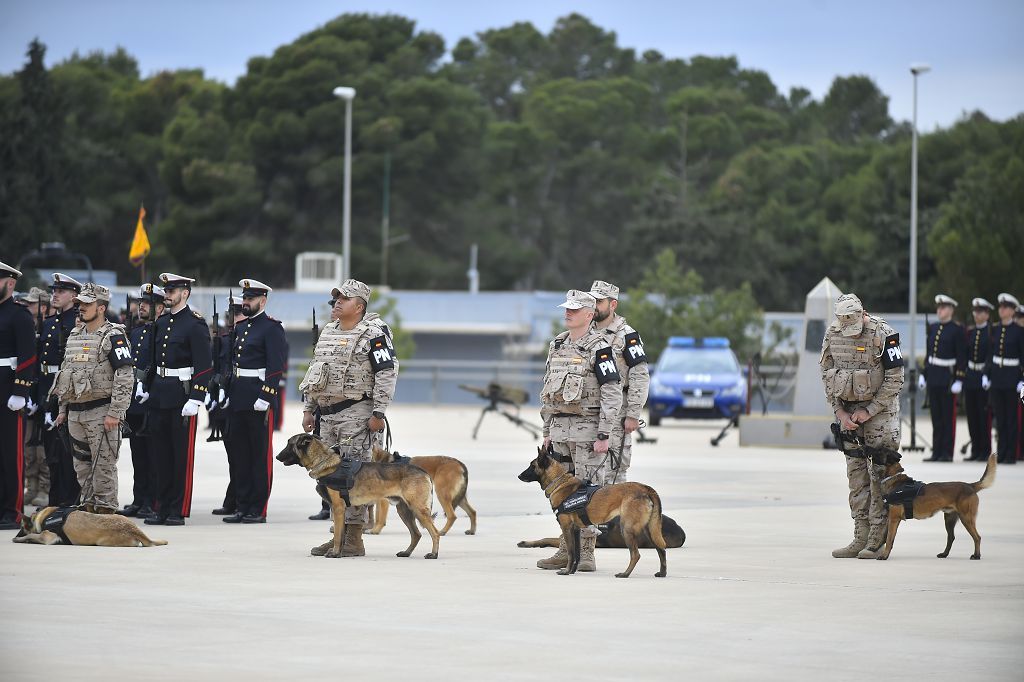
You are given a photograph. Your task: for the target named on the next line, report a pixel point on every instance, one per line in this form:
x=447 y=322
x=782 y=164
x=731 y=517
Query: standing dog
x=450 y=478
x=405 y=485
x=53 y=526
x=637 y=507
x=955 y=500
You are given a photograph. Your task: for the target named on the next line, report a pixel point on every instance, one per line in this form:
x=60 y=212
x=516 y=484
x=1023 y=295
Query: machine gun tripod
x=496 y=395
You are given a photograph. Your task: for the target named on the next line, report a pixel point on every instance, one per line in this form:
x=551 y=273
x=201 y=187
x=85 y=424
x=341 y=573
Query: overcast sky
x=975 y=47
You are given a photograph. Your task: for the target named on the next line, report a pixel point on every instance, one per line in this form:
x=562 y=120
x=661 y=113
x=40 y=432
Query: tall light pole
x=916 y=70
x=347 y=94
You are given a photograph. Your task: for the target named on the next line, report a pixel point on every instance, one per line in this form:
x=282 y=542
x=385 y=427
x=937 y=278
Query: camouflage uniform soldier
x=636 y=378
x=862 y=369
x=93 y=389
x=580 y=404
x=352 y=381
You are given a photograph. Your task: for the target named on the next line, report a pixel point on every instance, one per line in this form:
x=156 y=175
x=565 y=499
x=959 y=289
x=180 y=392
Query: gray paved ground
x=754 y=594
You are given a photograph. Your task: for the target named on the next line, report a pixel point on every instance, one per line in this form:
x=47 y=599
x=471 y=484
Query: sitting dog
x=70 y=526
x=610 y=536
x=404 y=484
x=450 y=478
x=637 y=507
x=907 y=498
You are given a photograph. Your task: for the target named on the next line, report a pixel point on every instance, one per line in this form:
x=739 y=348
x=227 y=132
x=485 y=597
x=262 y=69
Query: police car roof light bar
x=681 y=341
x=716 y=342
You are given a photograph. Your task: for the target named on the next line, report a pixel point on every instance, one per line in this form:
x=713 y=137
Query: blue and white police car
x=696 y=379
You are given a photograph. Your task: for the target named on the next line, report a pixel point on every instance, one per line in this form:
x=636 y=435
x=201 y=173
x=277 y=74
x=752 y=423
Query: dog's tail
x=144 y=540
x=989 y=477
x=460 y=492
x=654 y=522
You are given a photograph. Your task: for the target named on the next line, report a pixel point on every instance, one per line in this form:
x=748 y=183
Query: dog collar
x=551 y=486
x=889 y=478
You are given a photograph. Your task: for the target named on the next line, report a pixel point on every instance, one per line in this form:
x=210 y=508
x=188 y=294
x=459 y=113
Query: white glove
x=140 y=393
x=1020 y=388
x=48 y=420
x=985 y=383
x=191 y=408
x=15 y=403
x=956 y=387
x=921 y=383
x=210 y=403
x=261 y=405
x=223 y=399
x=31 y=408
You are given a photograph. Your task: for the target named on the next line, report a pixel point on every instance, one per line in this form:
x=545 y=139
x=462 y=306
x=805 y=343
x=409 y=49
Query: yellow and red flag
x=140 y=242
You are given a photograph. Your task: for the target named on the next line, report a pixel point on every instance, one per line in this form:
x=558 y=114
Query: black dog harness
x=905 y=495
x=341 y=479
x=577 y=502
x=55 y=523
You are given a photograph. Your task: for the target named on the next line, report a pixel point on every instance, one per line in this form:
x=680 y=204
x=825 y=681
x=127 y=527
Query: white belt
x=976 y=366
x=1005 y=362
x=50 y=369
x=183 y=373
x=260 y=373
x=942 y=362
x=9 y=362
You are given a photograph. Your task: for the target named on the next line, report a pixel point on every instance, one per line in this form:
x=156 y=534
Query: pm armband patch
x=604 y=366
x=892 y=356
x=120 y=351
x=381 y=355
x=633 y=351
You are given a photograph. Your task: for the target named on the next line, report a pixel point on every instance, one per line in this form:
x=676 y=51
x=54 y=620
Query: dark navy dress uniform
x=17 y=369
x=1004 y=369
x=181 y=372
x=945 y=362
x=144 y=486
x=979 y=418
x=64 y=488
x=258 y=358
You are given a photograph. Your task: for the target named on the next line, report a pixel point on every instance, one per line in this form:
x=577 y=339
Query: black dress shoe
x=254 y=518
x=130 y=510
x=156 y=520
x=174 y=521
x=234 y=518
x=7 y=523
x=145 y=512
x=224 y=511
x=321 y=515
x=933 y=458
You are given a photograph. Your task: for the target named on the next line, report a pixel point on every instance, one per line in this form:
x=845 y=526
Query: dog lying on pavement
x=610 y=536
x=406 y=485
x=637 y=507
x=450 y=478
x=907 y=498
x=70 y=526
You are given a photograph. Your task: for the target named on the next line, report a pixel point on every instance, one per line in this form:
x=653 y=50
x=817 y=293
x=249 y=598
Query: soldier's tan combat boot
x=352 y=543
x=321 y=550
x=860 y=540
x=587 y=561
x=875 y=543
x=560 y=559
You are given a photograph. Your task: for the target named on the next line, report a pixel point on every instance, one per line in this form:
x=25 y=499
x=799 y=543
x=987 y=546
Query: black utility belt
x=343 y=405
x=82 y=407
x=586 y=413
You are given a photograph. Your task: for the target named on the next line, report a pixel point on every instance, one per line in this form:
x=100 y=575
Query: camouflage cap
x=850 y=312
x=601 y=289
x=575 y=300
x=92 y=293
x=352 y=288
x=37 y=295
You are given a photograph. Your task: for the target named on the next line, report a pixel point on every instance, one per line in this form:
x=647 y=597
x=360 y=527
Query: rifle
x=226 y=380
x=149 y=378
x=316 y=411
x=36 y=438
x=216 y=433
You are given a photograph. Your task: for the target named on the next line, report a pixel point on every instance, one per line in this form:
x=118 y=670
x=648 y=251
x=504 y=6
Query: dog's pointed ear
x=542 y=457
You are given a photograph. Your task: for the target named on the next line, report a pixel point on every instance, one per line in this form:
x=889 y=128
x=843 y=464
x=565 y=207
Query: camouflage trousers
x=882 y=430
x=37 y=471
x=349 y=431
x=573 y=437
x=95 y=456
x=618 y=465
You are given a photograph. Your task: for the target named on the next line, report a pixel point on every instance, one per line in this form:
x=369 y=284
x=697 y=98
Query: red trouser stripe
x=19 y=501
x=186 y=502
x=270 y=457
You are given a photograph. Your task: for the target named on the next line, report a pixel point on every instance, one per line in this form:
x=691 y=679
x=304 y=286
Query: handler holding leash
x=580 y=404
x=862 y=369
x=352 y=381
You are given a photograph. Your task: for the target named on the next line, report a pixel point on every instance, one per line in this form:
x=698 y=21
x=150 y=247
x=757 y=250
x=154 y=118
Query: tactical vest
x=341 y=368
x=86 y=373
x=570 y=385
x=858 y=372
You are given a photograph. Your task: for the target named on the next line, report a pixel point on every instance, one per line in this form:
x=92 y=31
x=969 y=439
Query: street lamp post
x=347 y=94
x=916 y=70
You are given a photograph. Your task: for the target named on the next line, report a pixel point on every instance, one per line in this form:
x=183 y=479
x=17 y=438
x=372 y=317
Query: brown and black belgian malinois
x=84 y=528
x=955 y=500
x=610 y=536
x=637 y=507
x=450 y=478
x=405 y=485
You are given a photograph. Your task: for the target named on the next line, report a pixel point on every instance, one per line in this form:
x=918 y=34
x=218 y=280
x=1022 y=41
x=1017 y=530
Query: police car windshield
x=698 y=361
